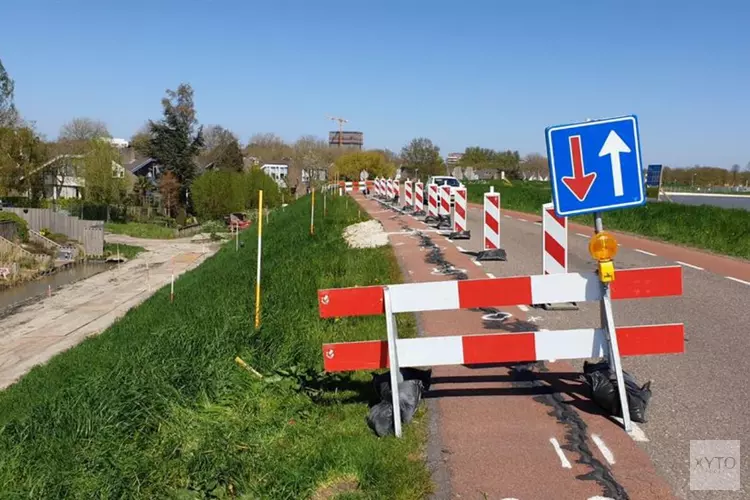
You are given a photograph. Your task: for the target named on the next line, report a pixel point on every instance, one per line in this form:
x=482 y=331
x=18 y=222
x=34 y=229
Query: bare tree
x=268 y=147
x=83 y=129
x=8 y=114
x=535 y=164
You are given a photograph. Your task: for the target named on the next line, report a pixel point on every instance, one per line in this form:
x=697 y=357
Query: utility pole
x=341 y=124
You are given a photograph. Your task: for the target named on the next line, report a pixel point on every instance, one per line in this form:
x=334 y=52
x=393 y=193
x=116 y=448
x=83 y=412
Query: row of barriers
x=554 y=286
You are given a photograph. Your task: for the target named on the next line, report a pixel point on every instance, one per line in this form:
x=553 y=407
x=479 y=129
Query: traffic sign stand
x=491 y=229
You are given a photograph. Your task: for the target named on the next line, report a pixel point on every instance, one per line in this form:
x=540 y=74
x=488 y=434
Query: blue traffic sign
x=653 y=176
x=595 y=166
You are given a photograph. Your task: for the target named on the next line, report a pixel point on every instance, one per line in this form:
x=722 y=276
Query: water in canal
x=37 y=288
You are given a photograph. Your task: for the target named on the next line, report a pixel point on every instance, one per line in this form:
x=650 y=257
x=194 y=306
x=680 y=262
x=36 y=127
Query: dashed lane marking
x=460 y=249
x=523 y=308
x=689 y=265
x=507 y=216
x=581 y=235
x=636 y=433
x=738 y=280
x=538 y=223
x=644 y=252
x=477 y=263
x=606 y=452
x=491 y=276
x=563 y=459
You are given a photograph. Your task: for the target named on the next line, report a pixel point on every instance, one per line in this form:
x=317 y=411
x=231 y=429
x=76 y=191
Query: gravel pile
x=369 y=234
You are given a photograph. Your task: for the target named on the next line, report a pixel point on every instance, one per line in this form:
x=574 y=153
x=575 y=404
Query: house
x=278 y=172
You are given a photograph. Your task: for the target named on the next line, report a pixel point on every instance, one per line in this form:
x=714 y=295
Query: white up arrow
x=613 y=146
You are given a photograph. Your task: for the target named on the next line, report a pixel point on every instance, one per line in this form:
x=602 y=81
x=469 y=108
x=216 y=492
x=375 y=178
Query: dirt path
x=38 y=331
x=510 y=431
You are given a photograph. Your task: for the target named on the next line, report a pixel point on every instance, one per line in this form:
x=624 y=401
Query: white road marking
x=538 y=223
x=460 y=249
x=491 y=276
x=606 y=452
x=522 y=220
x=533 y=319
x=507 y=216
x=689 y=265
x=563 y=459
x=523 y=308
x=581 y=235
x=645 y=252
x=477 y=263
x=636 y=433
x=738 y=280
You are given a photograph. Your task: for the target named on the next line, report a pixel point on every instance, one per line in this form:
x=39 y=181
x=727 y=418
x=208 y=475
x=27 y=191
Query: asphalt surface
x=699 y=395
x=738 y=201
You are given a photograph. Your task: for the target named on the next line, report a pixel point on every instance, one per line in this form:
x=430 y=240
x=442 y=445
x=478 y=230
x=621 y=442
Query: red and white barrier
x=381 y=188
x=491 y=228
x=418 y=198
x=554 y=241
x=507 y=347
x=396 y=188
x=432 y=202
x=408 y=195
x=460 y=229
x=389 y=189
x=444 y=207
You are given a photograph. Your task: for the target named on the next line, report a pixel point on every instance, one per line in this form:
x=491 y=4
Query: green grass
x=721 y=230
x=127 y=251
x=155 y=407
x=141 y=230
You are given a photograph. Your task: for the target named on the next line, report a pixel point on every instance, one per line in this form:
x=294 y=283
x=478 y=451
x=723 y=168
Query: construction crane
x=341 y=125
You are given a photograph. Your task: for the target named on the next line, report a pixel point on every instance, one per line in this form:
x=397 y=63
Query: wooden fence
x=8 y=229
x=87 y=232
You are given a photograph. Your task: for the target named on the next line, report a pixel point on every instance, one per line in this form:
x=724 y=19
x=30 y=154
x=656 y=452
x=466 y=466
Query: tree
x=104 y=184
x=8 y=114
x=174 y=141
x=22 y=154
x=141 y=140
x=83 y=129
x=735 y=173
x=312 y=155
x=350 y=165
x=142 y=188
x=216 y=194
x=223 y=148
x=536 y=164
x=268 y=148
x=420 y=154
x=169 y=188
x=477 y=157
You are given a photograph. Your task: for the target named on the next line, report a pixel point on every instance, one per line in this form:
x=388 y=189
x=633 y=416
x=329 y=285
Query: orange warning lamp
x=603 y=247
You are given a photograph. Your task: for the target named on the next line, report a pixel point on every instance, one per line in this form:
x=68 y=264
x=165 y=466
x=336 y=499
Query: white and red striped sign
x=408 y=194
x=504 y=347
x=498 y=292
x=445 y=201
x=554 y=241
x=389 y=189
x=491 y=221
x=432 y=200
x=459 y=211
x=419 y=197
x=396 y=188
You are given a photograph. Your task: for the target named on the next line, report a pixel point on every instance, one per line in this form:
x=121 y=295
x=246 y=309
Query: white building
x=277 y=171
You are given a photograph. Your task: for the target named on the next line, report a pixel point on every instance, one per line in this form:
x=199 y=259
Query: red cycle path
x=493 y=433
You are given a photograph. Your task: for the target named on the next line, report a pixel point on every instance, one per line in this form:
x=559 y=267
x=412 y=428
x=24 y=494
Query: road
x=36 y=332
x=723 y=201
x=698 y=395
x=701 y=394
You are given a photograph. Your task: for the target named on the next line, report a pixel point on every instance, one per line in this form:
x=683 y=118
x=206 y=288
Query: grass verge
x=127 y=251
x=156 y=407
x=721 y=230
x=141 y=230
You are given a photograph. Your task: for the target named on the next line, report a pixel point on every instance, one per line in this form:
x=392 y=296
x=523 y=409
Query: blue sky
x=477 y=72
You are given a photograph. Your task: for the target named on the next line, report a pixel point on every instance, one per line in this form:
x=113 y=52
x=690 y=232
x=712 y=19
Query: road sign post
x=654 y=175
x=595 y=166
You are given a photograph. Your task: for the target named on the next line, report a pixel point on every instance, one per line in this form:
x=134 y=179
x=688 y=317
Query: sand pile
x=369 y=234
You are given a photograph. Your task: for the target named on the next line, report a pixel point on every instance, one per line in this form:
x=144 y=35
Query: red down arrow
x=580 y=184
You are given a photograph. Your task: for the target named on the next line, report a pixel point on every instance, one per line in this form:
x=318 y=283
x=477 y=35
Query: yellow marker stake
x=312 y=212
x=260 y=245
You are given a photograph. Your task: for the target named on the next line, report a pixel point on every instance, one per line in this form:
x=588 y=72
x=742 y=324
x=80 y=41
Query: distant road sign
x=653 y=176
x=595 y=166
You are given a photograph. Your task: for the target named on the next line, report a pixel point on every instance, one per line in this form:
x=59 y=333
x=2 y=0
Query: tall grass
x=141 y=230
x=155 y=407
x=721 y=230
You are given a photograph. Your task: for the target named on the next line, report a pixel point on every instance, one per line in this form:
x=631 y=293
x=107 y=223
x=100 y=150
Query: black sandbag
x=603 y=384
x=380 y=419
x=382 y=381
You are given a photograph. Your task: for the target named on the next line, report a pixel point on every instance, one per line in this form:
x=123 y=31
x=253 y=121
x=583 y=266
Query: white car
x=442 y=180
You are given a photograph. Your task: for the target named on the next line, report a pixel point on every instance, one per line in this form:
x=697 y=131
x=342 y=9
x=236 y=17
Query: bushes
x=216 y=194
x=22 y=228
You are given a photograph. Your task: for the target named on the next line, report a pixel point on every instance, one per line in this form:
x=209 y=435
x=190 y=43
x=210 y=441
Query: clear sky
x=492 y=73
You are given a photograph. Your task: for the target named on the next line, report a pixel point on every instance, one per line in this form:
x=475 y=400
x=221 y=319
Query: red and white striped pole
x=396 y=189
x=491 y=232
x=408 y=196
x=389 y=189
x=432 y=203
x=460 y=229
x=444 y=206
x=555 y=251
x=419 y=198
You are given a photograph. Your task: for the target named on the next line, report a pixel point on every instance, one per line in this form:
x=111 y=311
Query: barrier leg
x=614 y=355
x=390 y=325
